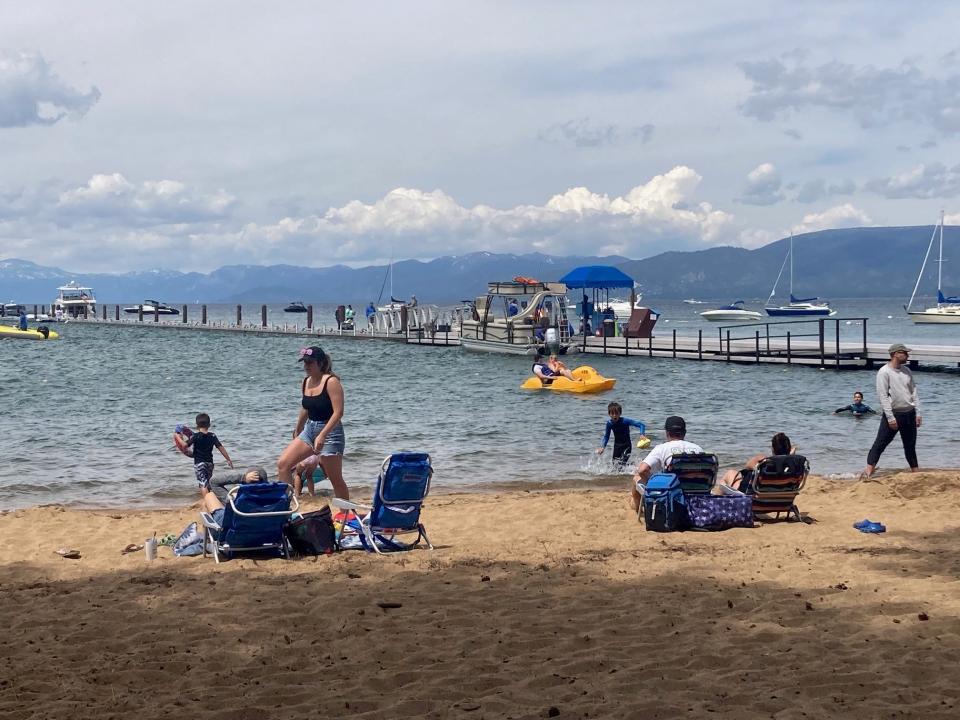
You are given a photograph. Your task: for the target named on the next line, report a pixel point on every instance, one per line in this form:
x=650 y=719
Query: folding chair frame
x=212 y=529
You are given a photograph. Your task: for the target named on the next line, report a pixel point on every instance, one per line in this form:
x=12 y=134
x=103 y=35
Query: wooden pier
x=829 y=343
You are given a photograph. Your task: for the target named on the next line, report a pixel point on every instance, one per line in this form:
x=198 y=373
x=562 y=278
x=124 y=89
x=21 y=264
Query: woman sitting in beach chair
x=773 y=481
x=740 y=479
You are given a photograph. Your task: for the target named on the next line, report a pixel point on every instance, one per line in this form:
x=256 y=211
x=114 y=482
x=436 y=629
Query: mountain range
x=856 y=262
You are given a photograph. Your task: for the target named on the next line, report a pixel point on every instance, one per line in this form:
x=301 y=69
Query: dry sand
x=533 y=604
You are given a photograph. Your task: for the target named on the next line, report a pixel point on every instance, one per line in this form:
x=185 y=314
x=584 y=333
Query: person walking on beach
x=203 y=442
x=659 y=458
x=620 y=426
x=318 y=430
x=900 y=405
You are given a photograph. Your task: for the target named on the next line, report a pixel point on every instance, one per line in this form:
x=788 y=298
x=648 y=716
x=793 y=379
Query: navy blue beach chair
x=398 y=496
x=252 y=522
x=697 y=472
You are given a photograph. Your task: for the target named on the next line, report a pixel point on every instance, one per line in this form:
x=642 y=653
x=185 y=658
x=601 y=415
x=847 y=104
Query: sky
x=191 y=135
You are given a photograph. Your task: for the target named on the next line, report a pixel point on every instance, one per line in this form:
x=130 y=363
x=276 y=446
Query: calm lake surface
x=87 y=420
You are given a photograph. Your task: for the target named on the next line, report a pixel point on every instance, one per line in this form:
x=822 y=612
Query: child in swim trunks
x=203 y=442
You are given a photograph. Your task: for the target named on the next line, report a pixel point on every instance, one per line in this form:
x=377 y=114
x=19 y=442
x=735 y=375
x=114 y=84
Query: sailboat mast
x=923 y=267
x=940 y=261
x=791 y=267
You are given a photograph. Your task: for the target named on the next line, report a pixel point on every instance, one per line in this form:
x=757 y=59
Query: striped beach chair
x=776 y=483
x=697 y=472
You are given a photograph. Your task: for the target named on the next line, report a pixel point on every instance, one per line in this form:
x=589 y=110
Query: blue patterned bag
x=719 y=512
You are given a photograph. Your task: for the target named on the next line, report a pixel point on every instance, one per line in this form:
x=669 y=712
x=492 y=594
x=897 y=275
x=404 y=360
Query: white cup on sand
x=150 y=547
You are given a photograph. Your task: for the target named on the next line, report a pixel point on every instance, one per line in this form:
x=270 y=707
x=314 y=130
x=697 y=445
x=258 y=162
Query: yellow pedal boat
x=11 y=332
x=587 y=380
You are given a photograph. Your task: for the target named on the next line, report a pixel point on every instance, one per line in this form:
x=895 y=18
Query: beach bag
x=664 y=507
x=719 y=512
x=189 y=543
x=311 y=534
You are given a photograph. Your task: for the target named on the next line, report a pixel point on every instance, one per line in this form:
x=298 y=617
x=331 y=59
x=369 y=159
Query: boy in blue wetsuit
x=203 y=442
x=620 y=427
x=857 y=407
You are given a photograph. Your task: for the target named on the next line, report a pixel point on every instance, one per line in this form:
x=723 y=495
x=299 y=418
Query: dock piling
x=789 y=358
x=203 y=314
x=116 y=309
x=239 y=315
x=309 y=317
x=700 y=344
x=263 y=316
x=184 y=316
x=139 y=313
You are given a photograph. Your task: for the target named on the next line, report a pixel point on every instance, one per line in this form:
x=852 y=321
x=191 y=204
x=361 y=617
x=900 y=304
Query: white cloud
x=32 y=94
x=840 y=216
x=873 y=96
x=112 y=199
x=763 y=186
x=935 y=180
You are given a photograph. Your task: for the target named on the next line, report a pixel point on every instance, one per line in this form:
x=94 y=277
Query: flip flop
x=67 y=553
x=862 y=524
x=132 y=547
x=874 y=527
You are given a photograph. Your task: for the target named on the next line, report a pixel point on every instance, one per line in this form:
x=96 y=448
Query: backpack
x=664 y=507
x=312 y=533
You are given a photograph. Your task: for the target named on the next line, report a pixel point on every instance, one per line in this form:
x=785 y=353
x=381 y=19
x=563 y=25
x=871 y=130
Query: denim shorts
x=333 y=444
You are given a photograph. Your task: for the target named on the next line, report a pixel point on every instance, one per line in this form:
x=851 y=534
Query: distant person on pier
x=22 y=323
x=318 y=430
x=858 y=408
x=413 y=301
x=901 y=409
x=371 y=311
x=349 y=314
x=339 y=315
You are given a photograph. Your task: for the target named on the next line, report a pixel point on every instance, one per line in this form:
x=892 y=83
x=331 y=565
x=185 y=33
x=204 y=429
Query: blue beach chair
x=697 y=472
x=398 y=495
x=253 y=520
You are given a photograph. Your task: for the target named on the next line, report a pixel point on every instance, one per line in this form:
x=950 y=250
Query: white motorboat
x=947 y=309
x=152 y=307
x=74 y=301
x=798 y=306
x=517 y=317
x=734 y=312
x=693 y=301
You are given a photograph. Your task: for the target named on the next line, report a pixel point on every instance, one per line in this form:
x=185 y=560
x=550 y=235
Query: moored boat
x=75 y=300
x=734 y=312
x=947 y=309
x=798 y=307
x=152 y=307
x=296 y=307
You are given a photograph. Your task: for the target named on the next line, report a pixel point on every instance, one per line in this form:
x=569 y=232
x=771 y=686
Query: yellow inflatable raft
x=587 y=380
x=11 y=332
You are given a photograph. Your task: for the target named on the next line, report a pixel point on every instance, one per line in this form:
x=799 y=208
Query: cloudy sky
x=191 y=135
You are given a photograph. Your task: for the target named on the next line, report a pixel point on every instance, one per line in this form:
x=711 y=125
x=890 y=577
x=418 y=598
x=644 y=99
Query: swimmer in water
x=857 y=407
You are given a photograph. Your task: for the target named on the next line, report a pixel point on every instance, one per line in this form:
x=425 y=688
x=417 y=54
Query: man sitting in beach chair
x=775 y=484
x=398 y=496
x=251 y=521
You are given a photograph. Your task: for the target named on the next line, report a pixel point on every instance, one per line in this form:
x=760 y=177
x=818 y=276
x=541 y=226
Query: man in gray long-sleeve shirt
x=901 y=409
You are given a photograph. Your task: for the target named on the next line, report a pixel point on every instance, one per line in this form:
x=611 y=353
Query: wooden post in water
x=837 y=324
x=139 y=313
x=757 y=345
x=700 y=344
x=650 y=345
x=156 y=311
x=728 y=346
x=183 y=318
x=203 y=314
x=309 y=317
x=789 y=359
x=35 y=313
x=821 y=331
x=239 y=315
x=604 y=341
x=117 y=312
x=263 y=316
x=674 y=343
x=104 y=312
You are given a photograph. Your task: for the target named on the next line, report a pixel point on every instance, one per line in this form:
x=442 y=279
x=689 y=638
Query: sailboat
x=798 y=306
x=947 y=310
x=394 y=304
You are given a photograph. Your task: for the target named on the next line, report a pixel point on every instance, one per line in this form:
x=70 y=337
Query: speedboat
x=586 y=380
x=296 y=307
x=75 y=301
x=693 y=301
x=734 y=312
x=152 y=307
x=11 y=309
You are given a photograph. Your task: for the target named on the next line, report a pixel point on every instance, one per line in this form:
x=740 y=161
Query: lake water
x=87 y=420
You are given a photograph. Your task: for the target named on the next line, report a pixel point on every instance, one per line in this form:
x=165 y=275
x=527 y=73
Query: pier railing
x=827 y=332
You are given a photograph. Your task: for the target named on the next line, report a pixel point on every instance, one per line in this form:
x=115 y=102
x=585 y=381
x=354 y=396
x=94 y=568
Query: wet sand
x=533 y=604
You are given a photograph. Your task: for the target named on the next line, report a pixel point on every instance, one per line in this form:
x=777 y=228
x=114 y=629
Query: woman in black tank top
x=321 y=409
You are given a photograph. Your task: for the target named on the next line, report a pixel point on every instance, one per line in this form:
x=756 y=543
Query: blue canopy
x=597 y=276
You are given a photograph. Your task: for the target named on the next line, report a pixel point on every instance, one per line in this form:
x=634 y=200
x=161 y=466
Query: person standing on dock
x=371 y=311
x=22 y=324
x=901 y=409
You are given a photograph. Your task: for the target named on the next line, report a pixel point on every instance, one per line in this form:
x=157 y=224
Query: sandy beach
x=533 y=604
